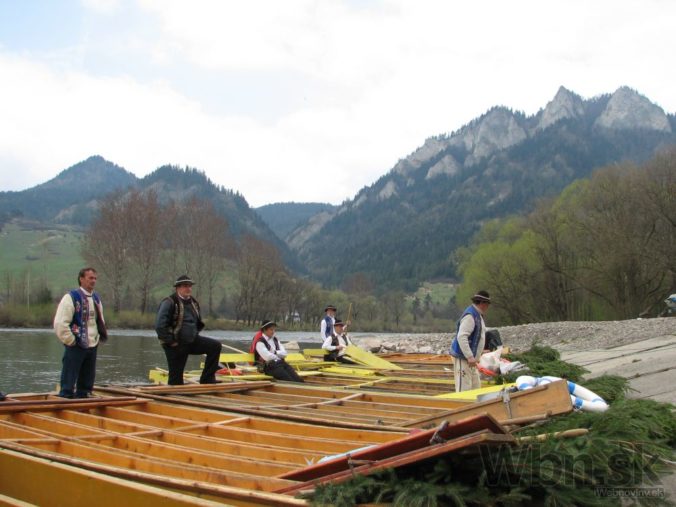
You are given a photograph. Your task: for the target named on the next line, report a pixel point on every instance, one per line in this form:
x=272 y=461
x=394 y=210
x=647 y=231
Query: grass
x=440 y=292
x=49 y=255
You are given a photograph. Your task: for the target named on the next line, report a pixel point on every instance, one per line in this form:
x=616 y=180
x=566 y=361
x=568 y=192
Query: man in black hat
x=269 y=354
x=468 y=344
x=326 y=326
x=336 y=344
x=178 y=325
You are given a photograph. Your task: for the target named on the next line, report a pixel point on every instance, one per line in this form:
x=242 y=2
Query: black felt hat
x=183 y=280
x=481 y=297
x=330 y=307
x=267 y=323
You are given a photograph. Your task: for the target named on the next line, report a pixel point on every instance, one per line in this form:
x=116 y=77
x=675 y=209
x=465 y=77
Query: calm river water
x=31 y=358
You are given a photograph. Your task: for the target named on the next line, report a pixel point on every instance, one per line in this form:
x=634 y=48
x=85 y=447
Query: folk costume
x=178 y=325
x=326 y=326
x=80 y=326
x=469 y=341
x=269 y=355
x=336 y=345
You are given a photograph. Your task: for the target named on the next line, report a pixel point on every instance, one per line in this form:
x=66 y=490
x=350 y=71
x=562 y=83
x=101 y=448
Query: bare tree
x=105 y=245
x=260 y=267
x=205 y=245
x=145 y=224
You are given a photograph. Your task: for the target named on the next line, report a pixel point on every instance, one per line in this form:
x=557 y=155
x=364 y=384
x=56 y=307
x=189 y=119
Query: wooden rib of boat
x=357 y=409
x=210 y=454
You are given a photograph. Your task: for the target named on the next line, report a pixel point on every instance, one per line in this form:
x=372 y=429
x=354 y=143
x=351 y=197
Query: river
x=31 y=358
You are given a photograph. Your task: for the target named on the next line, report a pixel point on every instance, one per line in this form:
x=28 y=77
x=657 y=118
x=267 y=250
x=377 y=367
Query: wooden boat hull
x=61 y=484
x=197 y=451
x=209 y=454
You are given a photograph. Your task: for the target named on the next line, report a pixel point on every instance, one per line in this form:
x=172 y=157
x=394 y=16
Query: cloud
x=101 y=6
x=304 y=100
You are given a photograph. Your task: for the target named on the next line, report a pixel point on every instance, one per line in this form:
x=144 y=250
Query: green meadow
x=38 y=255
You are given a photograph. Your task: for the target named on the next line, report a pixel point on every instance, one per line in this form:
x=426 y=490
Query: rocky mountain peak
x=627 y=109
x=565 y=104
x=496 y=130
x=432 y=147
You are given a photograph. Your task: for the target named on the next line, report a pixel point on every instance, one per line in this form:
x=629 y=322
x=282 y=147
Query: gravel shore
x=563 y=336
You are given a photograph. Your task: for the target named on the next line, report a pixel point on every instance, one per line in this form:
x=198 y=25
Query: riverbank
x=563 y=336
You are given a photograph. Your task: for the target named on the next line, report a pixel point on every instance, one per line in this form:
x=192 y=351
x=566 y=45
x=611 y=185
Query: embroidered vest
x=79 y=323
x=473 y=339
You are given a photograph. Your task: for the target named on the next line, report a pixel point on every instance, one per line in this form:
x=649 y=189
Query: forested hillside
x=284 y=217
x=404 y=228
x=71 y=196
x=602 y=250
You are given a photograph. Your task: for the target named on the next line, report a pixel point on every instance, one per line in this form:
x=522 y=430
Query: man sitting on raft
x=336 y=344
x=269 y=354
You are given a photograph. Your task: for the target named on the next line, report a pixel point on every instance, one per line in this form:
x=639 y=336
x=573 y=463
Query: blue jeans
x=78 y=372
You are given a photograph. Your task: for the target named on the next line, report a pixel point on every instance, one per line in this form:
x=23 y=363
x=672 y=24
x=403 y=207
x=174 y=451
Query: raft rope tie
x=437 y=438
x=506 y=399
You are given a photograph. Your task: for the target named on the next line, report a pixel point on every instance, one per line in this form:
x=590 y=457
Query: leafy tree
x=602 y=249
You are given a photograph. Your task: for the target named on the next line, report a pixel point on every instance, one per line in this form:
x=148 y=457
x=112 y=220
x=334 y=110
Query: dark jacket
x=178 y=320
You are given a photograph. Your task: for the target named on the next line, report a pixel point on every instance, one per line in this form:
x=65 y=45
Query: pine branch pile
x=626 y=449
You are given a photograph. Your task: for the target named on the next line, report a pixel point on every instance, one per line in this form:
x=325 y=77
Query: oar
x=233 y=348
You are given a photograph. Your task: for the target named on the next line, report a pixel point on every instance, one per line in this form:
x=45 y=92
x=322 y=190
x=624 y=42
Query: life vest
x=473 y=339
x=79 y=323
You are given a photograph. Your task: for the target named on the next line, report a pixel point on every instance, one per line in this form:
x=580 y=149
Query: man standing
x=469 y=342
x=326 y=327
x=178 y=325
x=80 y=326
x=269 y=354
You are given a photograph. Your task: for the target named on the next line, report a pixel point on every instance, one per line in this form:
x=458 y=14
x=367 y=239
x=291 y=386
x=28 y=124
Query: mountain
x=284 y=217
x=171 y=182
x=71 y=196
x=403 y=229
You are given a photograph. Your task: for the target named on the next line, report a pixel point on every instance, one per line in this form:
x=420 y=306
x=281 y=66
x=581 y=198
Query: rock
x=372 y=344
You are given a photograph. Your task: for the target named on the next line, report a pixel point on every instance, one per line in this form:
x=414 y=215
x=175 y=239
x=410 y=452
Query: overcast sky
x=294 y=100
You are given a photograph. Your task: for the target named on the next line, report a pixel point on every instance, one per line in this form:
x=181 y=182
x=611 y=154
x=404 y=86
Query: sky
x=299 y=100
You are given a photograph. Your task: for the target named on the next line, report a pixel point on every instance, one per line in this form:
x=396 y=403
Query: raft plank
x=80 y=487
x=362 y=356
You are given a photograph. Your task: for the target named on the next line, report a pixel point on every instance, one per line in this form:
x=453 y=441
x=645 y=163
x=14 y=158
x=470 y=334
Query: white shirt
x=322 y=329
x=270 y=355
x=343 y=340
